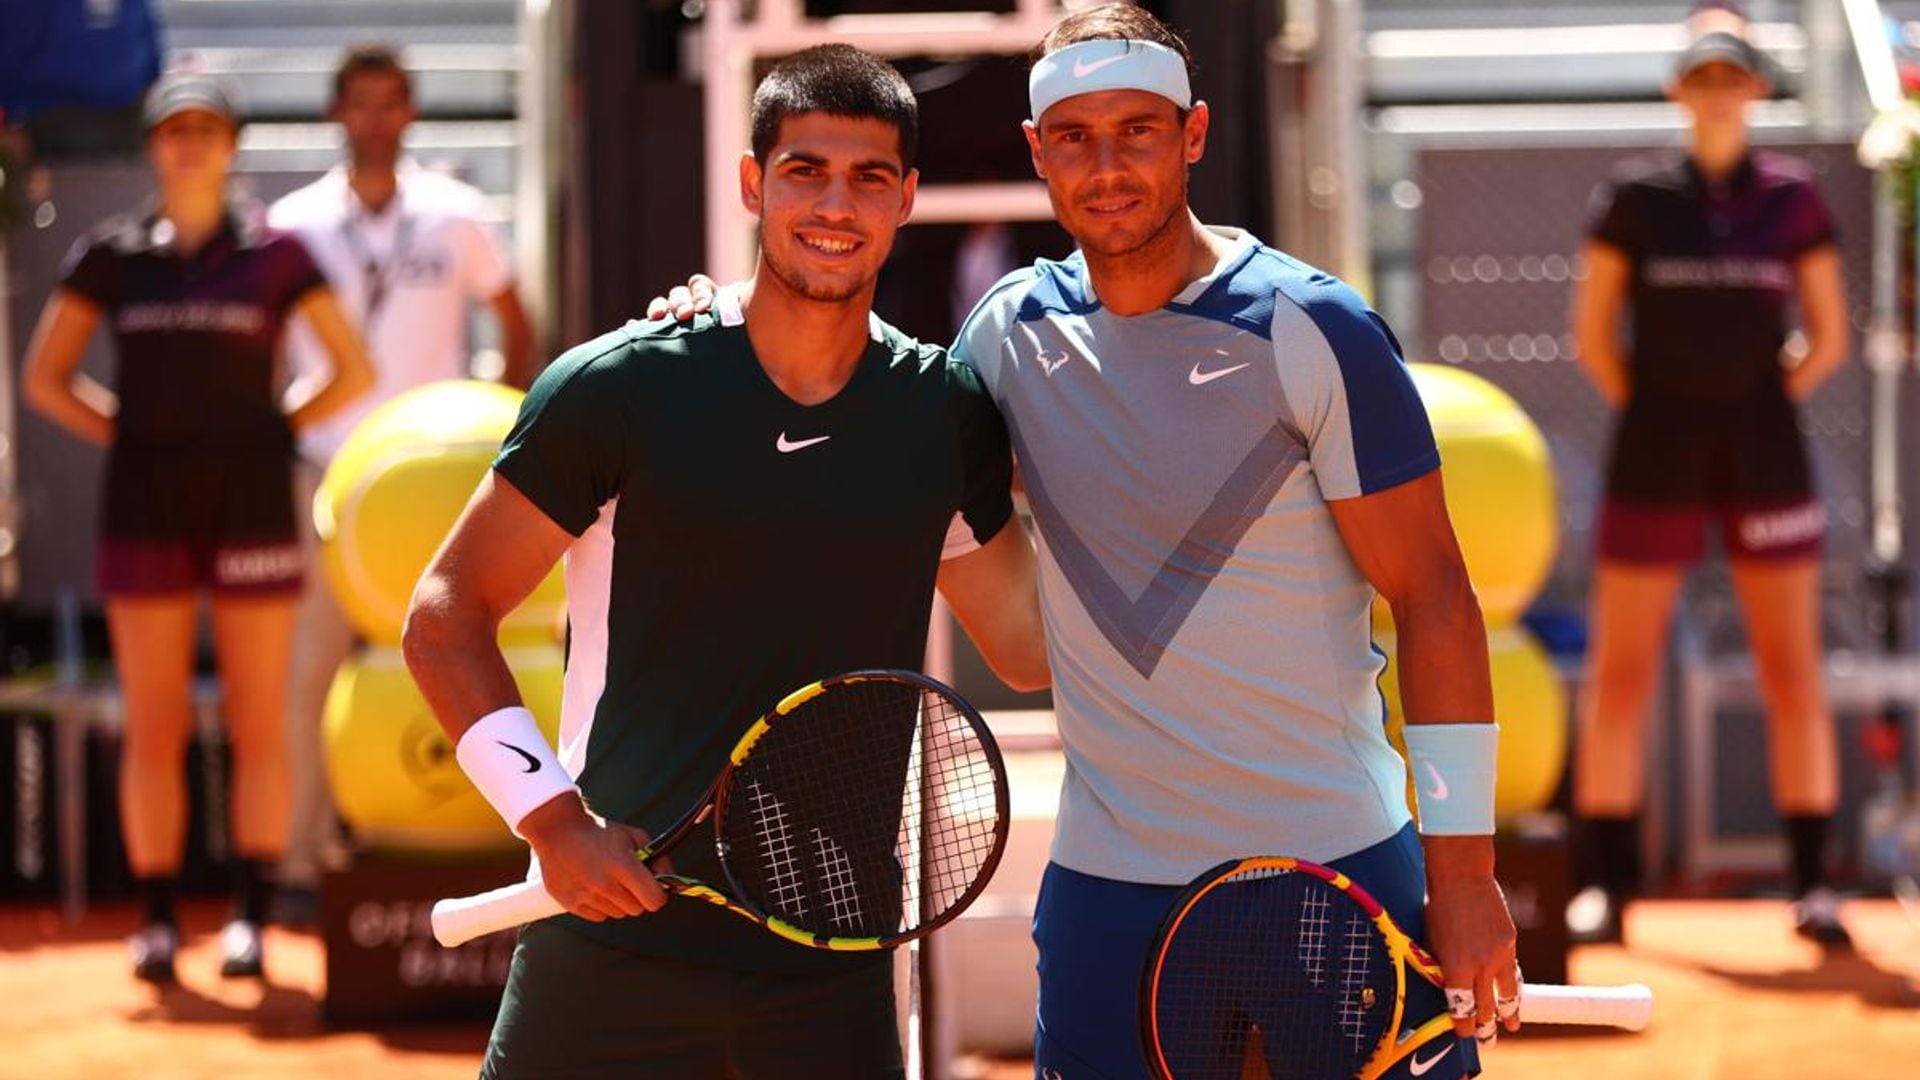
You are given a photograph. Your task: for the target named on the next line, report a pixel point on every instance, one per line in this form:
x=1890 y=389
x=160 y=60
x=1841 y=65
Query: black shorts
x=176 y=520
x=1677 y=452
x=578 y=1009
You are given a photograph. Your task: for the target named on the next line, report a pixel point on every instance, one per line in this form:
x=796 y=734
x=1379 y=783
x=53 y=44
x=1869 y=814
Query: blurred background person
x=1704 y=253
x=197 y=493
x=408 y=252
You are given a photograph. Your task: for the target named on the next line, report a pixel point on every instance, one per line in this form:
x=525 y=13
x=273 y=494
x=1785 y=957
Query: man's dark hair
x=1113 y=22
x=839 y=80
x=368 y=59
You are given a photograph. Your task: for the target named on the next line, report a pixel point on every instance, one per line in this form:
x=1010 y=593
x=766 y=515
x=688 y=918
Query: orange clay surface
x=1739 y=998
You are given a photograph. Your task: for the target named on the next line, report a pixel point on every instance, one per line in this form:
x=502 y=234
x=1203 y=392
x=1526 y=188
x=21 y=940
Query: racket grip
x=461 y=919
x=1629 y=1007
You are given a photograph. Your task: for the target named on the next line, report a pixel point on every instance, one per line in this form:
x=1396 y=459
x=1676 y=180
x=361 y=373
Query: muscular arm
x=1403 y=543
x=52 y=382
x=516 y=337
x=313 y=400
x=1597 y=304
x=994 y=593
x=498 y=552
x=1823 y=310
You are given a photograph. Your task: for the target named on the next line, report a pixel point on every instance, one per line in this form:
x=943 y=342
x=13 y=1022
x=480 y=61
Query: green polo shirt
x=734 y=545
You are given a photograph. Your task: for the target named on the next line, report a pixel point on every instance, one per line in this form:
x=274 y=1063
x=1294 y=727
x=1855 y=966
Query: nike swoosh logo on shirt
x=533 y=763
x=1082 y=69
x=785 y=446
x=1202 y=378
x=1419 y=1068
x=1439 y=788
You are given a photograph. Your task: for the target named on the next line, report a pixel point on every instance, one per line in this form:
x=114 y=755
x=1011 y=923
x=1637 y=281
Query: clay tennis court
x=1738 y=995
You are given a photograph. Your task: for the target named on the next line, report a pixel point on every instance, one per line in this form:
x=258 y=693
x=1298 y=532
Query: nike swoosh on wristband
x=1082 y=69
x=1419 y=1068
x=1439 y=788
x=533 y=763
x=785 y=446
x=1202 y=378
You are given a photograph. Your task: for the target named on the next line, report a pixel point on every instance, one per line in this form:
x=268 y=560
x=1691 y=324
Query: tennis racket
x=863 y=811
x=1285 y=964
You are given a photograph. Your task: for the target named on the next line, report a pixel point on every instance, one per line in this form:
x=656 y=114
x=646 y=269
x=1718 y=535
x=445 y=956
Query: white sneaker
x=152 y=949
x=1816 y=915
x=240 y=950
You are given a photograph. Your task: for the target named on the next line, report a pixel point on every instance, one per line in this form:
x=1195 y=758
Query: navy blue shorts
x=1094 y=933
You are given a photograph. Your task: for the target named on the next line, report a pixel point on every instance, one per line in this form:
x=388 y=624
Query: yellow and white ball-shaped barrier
x=391 y=766
x=393 y=492
x=1500 y=489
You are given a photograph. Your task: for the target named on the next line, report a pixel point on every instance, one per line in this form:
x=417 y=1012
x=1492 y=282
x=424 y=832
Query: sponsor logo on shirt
x=1051 y=362
x=203 y=316
x=1202 y=378
x=788 y=446
x=426 y=268
x=1725 y=272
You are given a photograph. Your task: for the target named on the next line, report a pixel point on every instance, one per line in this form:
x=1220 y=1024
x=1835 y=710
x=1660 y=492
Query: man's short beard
x=799 y=284
x=1154 y=237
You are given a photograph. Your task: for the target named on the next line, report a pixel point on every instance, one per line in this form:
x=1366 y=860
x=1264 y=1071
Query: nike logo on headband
x=1082 y=69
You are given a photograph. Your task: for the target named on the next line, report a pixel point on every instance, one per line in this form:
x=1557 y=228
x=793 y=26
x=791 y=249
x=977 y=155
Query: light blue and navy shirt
x=1213 y=666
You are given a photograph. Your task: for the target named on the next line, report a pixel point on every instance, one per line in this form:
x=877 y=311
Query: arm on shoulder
x=994 y=592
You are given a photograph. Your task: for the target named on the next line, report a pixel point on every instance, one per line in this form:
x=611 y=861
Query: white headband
x=1089 y=67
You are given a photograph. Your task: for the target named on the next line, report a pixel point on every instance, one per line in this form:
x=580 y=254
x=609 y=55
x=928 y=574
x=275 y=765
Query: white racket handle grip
x=1629 y=1007
x=461 y=919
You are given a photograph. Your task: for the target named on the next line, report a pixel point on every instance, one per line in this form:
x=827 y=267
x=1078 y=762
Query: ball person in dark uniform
x=198 y=487
x=1704 y=253
x=747 y=502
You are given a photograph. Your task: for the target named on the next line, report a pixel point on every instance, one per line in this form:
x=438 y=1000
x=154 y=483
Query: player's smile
x=833 y=245
x=1106 y=206
x=1111 y=207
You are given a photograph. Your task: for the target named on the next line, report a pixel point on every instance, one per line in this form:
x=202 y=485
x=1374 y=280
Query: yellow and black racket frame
x=714 y=804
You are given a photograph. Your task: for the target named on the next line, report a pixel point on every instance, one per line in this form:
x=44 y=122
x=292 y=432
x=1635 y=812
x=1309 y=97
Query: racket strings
x=785 y=884
x=1275 y=966
x=868 y=811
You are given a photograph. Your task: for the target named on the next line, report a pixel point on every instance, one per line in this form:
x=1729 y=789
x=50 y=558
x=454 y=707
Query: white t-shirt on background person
x=407 y=278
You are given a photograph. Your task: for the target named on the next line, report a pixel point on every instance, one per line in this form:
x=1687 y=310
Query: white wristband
x=1453 y=771
x=508 y=759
